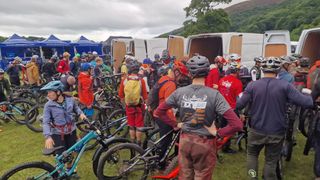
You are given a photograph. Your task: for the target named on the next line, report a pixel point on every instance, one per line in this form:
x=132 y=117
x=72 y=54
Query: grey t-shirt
x=198 y=106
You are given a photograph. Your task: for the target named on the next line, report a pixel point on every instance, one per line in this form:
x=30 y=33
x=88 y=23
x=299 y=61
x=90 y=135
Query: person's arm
x=298 y=98
x=144 y=91
x=46 y=122
x=60 y=67
x=161 y=111
x=169 y=89
x=253 y=74
x=7 y=87
x=245 y=97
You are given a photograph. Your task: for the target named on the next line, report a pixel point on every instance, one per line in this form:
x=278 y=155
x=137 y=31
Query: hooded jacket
x=85 y=88
x=32 y=73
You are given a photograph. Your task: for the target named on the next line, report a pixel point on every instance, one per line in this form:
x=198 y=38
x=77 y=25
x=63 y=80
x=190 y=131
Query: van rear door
x=118 y=52
x=176 y=46
x=276 y=43
x=139 y=49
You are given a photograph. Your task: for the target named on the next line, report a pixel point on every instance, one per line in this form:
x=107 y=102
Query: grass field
x=19 y=145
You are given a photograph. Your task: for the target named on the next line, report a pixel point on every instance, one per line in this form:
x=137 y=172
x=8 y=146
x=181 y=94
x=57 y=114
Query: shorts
x=135 y=116
x=68 y=141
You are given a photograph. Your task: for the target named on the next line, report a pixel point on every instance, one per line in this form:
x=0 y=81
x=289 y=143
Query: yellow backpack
x=132 y=91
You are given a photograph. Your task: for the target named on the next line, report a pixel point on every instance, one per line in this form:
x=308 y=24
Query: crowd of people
x=188 y=94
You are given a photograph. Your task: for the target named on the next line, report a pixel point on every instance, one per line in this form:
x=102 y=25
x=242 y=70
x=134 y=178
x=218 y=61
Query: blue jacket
x=269 y=98
x=59 y=115
x=286 y=76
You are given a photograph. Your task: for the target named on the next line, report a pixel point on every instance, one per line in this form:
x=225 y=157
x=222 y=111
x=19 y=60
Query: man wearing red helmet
x=215 y=73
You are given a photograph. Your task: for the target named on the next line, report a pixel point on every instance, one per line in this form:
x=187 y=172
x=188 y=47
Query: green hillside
x=292 y=15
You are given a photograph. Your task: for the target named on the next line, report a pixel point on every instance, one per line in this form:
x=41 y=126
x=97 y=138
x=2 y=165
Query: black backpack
x=153 y=97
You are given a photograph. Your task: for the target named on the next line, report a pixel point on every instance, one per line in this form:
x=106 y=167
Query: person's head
x=198 y=66
x=99 y=61
x=54 y=58
x=304 y=62
x=163 y=71
x=258 y=60
x=34 y=58
x=181 y=74
x=86 y=68
x=234 y=68
x=147 y=61
x=1 y=74
x=76 y=58
x=286 y=62
x=220 y=61
x=95 y=54
x=156 y=57
x=165 y=57
x=133 y=67
x=234 y=58
x=271 y=65
x=54 y=89
x=71 y=80
x=17 y=60
x=66 y=55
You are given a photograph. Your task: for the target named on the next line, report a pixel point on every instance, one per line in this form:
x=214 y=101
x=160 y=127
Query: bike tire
x=33 y=125
x=39 y=165
x=114 y=116
x=24 y=107
x=109 y=155
x=102 y=149
x=279 y=169
x=305 y=120
x=172 y=166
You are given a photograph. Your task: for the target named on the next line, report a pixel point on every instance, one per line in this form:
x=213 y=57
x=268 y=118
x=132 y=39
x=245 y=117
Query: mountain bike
x=45 y=170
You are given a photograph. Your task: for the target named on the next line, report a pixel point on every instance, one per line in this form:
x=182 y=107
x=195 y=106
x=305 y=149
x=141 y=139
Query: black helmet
x=198 y=66
x=133 y=66
x=271 y=64
x=305 y=62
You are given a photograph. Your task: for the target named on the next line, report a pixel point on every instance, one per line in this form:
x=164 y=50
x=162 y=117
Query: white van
x=309 y=44
x=247 y=45
x=156 y=46
x=119 y=48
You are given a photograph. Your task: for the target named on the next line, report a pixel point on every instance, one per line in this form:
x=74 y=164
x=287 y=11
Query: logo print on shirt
x=193 y=102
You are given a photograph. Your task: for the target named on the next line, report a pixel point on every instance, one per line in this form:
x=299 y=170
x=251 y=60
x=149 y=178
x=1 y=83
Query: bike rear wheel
x=36 y=124
x=18 y=110
x=32 y=170
x=117 y=161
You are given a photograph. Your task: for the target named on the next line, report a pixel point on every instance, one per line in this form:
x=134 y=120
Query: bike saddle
x=51 y=151
x=144 y=129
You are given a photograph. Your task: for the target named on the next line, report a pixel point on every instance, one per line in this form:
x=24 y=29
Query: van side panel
x=252 y=46
x=156 y=45
x=140 y=51
x=277 y=43
x=209 y=47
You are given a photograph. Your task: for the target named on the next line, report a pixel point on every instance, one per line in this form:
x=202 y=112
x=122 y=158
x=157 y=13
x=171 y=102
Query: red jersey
x=212 y=78
x=63 y=66
x=230 y=87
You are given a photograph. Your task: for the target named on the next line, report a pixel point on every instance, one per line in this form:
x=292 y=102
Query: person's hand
x=82 y=116
x=212 y=129
x=215 y=86
x=242 y=117
x=49 y=143
x=155 y=114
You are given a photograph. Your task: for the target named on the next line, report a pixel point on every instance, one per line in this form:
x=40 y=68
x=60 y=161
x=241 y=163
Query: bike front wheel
x=123 y=161
x=32 y=170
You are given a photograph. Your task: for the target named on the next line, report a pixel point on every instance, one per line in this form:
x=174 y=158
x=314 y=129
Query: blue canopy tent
x=17 y=46
x=52 y=45
x=85 y=45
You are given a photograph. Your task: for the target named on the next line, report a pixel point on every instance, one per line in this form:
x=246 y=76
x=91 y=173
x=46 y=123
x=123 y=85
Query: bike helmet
x=234 y=67
x=147 y=61
x=285 y=60
x=157 y=56
x=162 y=71
x=234 y=57
x=271 y=64
x=258 y=59
x=220 y=59
x=181 y=68
x=198 y=66
x=53 y=86
x=85 y=66
x=305 y=62
x=1 y=71
x=78 y=55
x=133 y=66
x=165 y=56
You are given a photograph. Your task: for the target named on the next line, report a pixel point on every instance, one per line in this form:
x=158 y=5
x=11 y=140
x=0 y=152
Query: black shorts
x=68 y=141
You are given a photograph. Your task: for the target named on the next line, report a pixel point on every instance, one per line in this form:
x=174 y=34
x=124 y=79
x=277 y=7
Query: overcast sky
x=95 y=19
